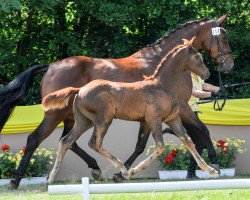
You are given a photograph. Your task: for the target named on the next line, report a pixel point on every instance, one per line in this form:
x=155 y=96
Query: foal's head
x=194 y=61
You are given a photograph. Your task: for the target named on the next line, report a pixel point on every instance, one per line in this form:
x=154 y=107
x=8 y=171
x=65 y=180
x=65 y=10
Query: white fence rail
x=86 y=189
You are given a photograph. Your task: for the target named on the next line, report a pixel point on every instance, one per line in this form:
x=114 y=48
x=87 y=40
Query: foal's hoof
x=216 y=167
x=96 y=174
x=50 y=181
x=212 y=171
x=13 y=185
x=118 y=178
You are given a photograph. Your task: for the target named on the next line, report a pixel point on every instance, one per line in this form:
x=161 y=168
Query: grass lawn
x=40 y=193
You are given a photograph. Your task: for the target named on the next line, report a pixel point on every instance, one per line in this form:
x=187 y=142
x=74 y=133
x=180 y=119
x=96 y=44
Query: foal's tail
x=58 y=99
x=12 y=93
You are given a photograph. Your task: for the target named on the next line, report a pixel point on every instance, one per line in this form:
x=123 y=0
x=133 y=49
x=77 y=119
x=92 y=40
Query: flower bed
x=176 y=157
x=38 y=166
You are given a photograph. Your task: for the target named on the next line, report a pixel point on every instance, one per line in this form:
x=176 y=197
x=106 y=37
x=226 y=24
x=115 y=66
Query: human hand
x=217 y=93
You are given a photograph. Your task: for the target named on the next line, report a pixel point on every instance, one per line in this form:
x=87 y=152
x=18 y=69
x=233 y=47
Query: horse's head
x=194 y=62
x=214 y=40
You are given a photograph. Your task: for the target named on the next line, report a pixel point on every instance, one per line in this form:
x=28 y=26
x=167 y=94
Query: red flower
x=174 y=152
x=220 y=143
x=5 y=147
x=169 y=159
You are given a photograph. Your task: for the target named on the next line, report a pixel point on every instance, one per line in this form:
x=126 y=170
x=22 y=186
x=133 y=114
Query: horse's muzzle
x=205 y=76
x=226 y=67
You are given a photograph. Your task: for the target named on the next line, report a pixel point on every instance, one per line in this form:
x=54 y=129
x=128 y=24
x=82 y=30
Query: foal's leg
x=156 y=127
x=81 y=125
x=46 y=127
x=91 y=162
x=198 y=132
x=95 y=143
x=140 y=146
x=178 y=128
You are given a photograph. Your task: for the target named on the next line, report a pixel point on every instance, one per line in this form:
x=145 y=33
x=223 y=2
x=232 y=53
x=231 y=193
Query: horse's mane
x=168 y=34
x=163 y=60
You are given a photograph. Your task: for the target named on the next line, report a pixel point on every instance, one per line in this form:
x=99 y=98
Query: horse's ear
x=192 y=41
x=189 y=42
x=185 y=42
x=222 y=20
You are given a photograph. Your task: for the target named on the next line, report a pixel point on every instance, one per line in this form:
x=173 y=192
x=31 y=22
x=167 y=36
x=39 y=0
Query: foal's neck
x=170 y=74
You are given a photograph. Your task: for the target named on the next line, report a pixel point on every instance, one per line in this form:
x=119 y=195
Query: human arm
x=209 y=91
x=209 y=87
x=200 y=94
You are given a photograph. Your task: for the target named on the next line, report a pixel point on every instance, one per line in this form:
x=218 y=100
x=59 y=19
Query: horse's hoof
x=96 y=174
x=13 y=185
x=216 y=167
x=118 y=178
x=50 y=182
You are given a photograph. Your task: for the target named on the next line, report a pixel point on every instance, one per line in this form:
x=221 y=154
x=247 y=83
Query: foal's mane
x=163 y=60
x=168 y=34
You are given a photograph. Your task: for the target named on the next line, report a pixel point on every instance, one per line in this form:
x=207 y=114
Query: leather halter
x=221 y=60
x=220 y=56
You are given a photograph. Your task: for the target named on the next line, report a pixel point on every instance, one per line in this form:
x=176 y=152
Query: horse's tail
x=12 y=93
x=58 y=99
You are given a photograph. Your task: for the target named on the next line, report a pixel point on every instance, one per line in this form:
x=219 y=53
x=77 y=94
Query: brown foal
x=153 y=101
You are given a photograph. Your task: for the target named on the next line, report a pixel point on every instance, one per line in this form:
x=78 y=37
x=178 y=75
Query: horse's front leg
x=198 y=132
x=143 y=135
x=156 y=127
x=177 y=127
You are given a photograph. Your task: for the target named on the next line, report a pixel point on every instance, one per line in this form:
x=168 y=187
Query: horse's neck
x=165 y=44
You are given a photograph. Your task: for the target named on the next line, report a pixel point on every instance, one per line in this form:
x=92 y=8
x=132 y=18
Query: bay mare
x=151 y=102
x=80 y=70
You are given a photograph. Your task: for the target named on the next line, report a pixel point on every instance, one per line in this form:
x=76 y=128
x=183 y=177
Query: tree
x=44 y=31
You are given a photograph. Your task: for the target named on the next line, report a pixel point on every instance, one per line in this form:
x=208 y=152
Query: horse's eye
x=224 y=37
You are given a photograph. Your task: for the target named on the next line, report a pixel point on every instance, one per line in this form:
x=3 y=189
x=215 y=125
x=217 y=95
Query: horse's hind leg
x=91 y=162
x=95 y=143
x=81 y=125
x=46 y=127
x=156 y=127
x=178 y=128
x=143 y=135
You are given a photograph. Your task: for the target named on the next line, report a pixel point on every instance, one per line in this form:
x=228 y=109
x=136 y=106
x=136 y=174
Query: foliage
x=226 y=151
x=37 y=167
x=176 y=157
x=44 y=31
x=173 y=157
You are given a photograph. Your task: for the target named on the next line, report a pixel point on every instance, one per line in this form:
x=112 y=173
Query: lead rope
x=217 y=106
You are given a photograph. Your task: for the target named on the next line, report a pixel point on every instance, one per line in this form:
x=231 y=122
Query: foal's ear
x=221 y=20
x=189 y=42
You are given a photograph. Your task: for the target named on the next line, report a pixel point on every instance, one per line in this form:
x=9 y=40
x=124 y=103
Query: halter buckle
x=221 y=59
